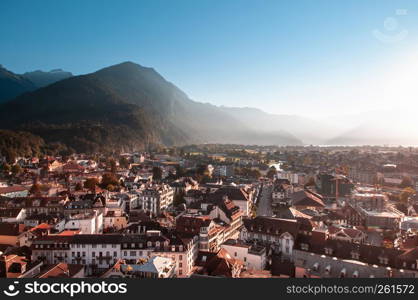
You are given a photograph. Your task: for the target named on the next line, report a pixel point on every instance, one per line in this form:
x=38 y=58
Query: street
x=264 y=206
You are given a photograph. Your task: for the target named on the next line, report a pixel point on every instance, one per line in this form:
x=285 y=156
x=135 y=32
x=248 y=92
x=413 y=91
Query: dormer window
x=328 y=251
x=355 y=255
x=383 y=260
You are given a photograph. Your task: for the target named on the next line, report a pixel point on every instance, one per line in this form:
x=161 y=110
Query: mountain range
x=128 y=106
x=13 y=85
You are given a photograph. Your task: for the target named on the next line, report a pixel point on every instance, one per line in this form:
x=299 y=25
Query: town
x=212 y=211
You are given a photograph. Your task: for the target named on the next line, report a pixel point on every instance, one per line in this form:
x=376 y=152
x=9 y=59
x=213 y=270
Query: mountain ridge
x=125 y=105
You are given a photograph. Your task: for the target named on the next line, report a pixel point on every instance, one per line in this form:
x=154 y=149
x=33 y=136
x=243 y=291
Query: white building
x=253 y=255
x=87 y=223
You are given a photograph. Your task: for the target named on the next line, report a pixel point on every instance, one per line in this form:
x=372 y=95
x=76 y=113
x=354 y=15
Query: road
x=264 y=206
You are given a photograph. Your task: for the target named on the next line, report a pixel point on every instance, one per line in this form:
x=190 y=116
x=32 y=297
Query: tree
x=109 y=181
x=310 y=182
x=91 y=183
x=6 y=168
x=16 y=170
x=271 y=172
x=112 y=166
x=35 y=189
x=405 y=194
x=157 y=173
x=406 y=182
x=179 y=199
x=123 y=162
x=78 y=186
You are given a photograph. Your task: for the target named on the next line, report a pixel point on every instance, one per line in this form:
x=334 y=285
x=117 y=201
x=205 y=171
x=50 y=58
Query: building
x=155 y=267
x=252 y=255
x=14 y=191
x=279 y=233
x=12 y=215
x=99 y=252
x=154 y=199
x=86 y=223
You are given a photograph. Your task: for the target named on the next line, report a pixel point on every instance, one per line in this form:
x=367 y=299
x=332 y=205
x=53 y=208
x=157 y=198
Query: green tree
x=91 y=183
x=157 y=173
x=271 y=172
x=109 y=181
x=35 y=189
x=405 y=194
x=6 y=168
x=406 y=182
x=123 y=162
x=310 y=182
x=16 y=170
x=78 y=186
x=179 y=199
x=112 y=166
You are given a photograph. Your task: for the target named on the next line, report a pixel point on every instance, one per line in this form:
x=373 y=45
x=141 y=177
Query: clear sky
x=307 y=57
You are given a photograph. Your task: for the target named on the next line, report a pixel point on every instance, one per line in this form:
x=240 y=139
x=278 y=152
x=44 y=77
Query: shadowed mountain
x=41 y=78
x=122 y=106
x=13 y=85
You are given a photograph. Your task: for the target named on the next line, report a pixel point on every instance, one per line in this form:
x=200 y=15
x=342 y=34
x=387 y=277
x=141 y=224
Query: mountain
x=12 y=85
x=126 y=106
x=40 y=78
x=394 y=127
x=309 y=131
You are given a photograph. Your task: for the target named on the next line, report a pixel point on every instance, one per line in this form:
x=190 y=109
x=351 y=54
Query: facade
x=154 y=199
x=252 y=255
x=99 y=252
x=279 y=233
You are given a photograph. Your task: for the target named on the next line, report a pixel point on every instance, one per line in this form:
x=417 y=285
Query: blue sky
x=296 y=57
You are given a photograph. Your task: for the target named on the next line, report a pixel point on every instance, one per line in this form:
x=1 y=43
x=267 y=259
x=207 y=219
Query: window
x=245 y=259
x=181 y=257
x=93 y=254
x=355 y=255
x=94 y=246
x=104 y=246
x=125 y=253
x=132 y=253
x=180 y=265
x=113 y=245
x=115 y=254
x=235 y=254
